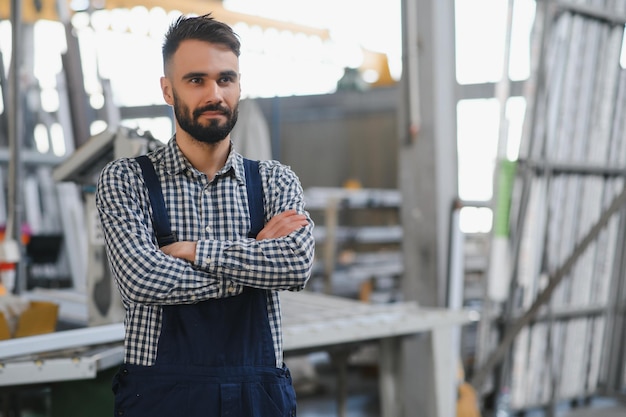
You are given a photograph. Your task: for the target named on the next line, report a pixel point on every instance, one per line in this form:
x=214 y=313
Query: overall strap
x=254 y=189
x=160 y=220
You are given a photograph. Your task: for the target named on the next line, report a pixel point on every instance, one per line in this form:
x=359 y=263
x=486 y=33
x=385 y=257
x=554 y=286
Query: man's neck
x=205 y=157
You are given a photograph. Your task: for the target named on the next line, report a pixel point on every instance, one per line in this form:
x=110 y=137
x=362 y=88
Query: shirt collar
x=176 y=163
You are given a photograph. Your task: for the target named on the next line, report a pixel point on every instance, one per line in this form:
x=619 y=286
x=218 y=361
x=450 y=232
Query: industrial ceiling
x=33 y=10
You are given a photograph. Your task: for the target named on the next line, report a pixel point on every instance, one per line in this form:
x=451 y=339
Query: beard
x=213 y=132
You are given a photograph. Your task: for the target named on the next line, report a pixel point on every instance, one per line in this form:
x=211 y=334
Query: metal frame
x=62 y=340
x=514 y=328
x=615 y=311
x=84 y=365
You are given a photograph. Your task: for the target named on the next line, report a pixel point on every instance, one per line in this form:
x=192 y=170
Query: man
x=203 y=327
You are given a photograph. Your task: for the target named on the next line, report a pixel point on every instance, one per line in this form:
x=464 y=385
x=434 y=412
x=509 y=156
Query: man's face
x=202 y=84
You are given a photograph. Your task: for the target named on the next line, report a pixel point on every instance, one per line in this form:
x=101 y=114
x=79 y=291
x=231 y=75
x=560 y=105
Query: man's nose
x=213 y=92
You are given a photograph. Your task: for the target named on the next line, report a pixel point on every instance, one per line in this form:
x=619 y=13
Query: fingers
x=282 y=224
x=169 y=249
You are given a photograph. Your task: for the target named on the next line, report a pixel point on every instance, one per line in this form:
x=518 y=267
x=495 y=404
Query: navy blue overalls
x=215 y=358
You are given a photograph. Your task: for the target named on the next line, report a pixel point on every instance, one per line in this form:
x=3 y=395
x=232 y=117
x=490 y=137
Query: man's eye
x=195 y=80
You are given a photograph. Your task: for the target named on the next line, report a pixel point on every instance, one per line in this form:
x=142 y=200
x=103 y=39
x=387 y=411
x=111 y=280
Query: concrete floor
x=599 y=412
x=319 y=398
x=598 y=407
x=316 y=389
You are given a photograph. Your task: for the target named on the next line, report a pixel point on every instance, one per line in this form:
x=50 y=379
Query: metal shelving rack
x=562 y=330
x=359 y=237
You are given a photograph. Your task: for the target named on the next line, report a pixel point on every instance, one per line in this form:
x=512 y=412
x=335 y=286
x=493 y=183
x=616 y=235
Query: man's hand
x=282 y=224
x=183 y=250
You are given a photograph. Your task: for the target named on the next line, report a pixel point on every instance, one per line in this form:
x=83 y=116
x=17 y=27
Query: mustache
x=212 y=107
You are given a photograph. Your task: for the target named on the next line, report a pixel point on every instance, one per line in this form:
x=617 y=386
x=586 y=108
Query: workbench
x=311 y=322
x=314 y=321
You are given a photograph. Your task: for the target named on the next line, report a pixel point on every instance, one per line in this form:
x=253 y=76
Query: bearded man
x=203 y=327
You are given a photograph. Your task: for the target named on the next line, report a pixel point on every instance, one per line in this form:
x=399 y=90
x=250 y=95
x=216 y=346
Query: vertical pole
x=4 y=119
x=428 y=176
x=340 y=360
x=444 y=354
x=331 y=216
x=14 y=203
x=390 y=392
x=82 y=114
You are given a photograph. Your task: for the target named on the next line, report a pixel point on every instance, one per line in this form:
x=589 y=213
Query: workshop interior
x=464 y=163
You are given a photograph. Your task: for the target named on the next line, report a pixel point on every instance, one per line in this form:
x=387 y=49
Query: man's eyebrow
x=191 y=75
x=227 y=73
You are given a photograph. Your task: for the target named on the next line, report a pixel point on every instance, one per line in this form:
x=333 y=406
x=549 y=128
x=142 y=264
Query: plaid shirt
x=213 y=213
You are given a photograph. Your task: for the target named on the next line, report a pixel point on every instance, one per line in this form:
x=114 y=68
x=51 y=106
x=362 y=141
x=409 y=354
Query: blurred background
x=460 y=158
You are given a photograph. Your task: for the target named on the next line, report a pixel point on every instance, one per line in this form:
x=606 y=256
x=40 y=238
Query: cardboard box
x=40 y=317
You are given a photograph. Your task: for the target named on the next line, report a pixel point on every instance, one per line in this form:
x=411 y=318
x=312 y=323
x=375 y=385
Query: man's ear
x=166 y=89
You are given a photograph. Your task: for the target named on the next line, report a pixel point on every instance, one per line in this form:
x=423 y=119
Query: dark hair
x=203 y=28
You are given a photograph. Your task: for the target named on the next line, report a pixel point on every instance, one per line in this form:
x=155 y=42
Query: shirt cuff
x=209 y=257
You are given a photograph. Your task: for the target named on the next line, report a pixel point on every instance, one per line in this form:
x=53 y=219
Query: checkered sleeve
x=144 y=274
x=278 y=264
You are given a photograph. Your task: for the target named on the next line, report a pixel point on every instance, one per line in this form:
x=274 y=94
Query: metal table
x=311 y=322
x=320 y=322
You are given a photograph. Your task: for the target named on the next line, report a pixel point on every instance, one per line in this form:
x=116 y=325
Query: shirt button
x=231 y=289
x=208 y=228
x=207 y=260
